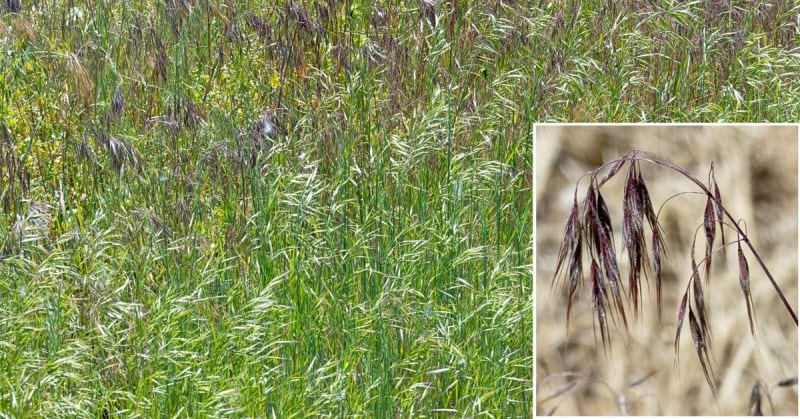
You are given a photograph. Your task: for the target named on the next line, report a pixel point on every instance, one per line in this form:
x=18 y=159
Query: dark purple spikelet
x=720 y=218
x=601 y=226
x=632 y=214
x=571 y=253
x=744 y=282
x=599 y=303
x=604 y=217
x=589 y=216
x=427 y=10
x=117 y=103
x=710 y=226
x=571 y=238
x=633 y=234
x=755 y=401
x=575 y=275
x=13 y=6
x=700 y=345
x=598 y=232
x=615 y=168
x=699 y=300
x=644 y=199
x=612 y=274
x=659 y=252
x=681 y=317
x=259 y=26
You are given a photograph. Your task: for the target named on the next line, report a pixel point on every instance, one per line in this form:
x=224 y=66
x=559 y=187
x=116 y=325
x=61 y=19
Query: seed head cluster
x=589 y=235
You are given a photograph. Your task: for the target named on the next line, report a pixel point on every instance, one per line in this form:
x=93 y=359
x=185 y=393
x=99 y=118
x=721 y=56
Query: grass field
x=661 y=61
x=242 y=209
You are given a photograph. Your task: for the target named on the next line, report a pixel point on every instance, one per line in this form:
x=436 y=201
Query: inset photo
x=666 y=270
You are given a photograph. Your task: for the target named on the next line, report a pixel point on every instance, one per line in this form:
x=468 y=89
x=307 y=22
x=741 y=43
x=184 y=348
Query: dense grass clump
x=232 y=208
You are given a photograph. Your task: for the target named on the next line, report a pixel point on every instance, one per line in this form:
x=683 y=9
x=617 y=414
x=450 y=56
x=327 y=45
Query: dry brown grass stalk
x=81 y=82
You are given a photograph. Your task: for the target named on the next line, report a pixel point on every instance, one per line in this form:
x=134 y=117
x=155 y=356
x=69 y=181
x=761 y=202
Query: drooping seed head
x=633 y=234
x=718 y=207
x=615 y=168
x=699 y=300
x=755 y=401
x=117 y=103
x=681 y=317
x=644 y=200
x=658 y=253
x=570 y=239
x=710 y=226
x=599 y=303
x=700 y=345
x=744 y=282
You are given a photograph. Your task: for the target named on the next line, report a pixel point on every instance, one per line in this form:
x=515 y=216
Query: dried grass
x=82 y=83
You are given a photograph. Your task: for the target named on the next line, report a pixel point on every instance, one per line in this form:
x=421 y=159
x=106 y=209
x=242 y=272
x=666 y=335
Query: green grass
x=375 y=261
x=651 y=61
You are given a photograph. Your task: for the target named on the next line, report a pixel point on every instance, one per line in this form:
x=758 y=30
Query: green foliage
x=647 y=61
x=175 y=253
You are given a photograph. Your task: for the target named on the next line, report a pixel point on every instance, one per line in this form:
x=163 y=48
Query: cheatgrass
x=589 y=237
x=310 y=208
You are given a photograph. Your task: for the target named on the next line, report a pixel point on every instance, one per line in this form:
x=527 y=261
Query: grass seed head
x=645 y=202
x=591 y=226
x=81 y=82
x=571 y=239
x=122 y=153
x=701 y=346
x=117 y=103
x=718 y=207
x=13 y=6
x=699 y=301
x=570 y=252
x=267 y=127
x=599 y=302
x=161 y=59
x=658 y=254
x=744 y=282
x=84 y=151
x=598 y=224
x=427 y=11
x=710 y=226
x=681 y=317
x=260 y=26
x=755 y=401
x=633 y=233
x=14 y=176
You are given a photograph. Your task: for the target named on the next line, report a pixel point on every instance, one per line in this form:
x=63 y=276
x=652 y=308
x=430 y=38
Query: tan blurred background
x=756 y=169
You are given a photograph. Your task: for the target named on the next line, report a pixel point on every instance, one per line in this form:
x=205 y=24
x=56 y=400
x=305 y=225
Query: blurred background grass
x=756 y=167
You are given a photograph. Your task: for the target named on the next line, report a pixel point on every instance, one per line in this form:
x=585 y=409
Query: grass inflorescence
x=609 y=298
